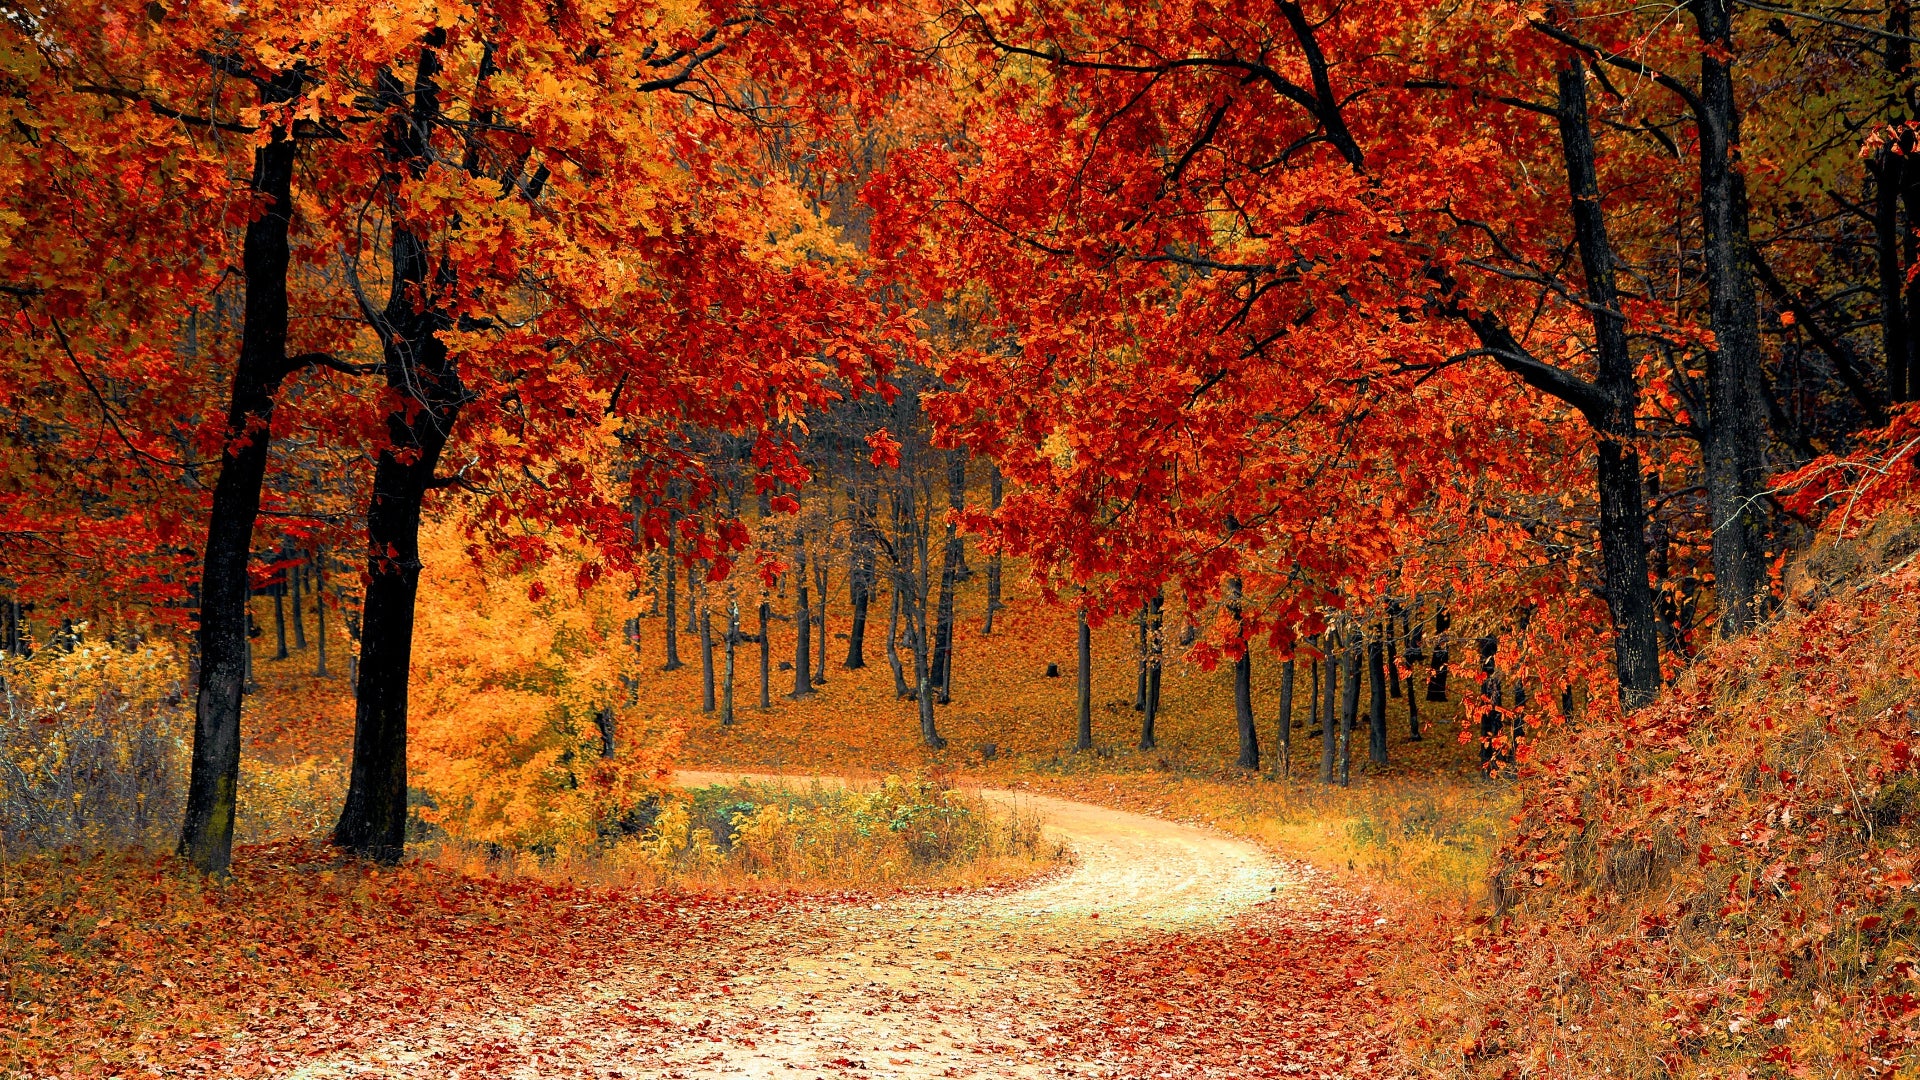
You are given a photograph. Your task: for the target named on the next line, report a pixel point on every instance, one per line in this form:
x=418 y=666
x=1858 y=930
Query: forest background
x=428 y=424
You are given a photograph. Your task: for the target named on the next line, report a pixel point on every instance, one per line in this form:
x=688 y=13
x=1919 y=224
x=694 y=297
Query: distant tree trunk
x=319 y=615
x=995 y=486
x=1283 y=736
x=1391 y=632
x=950 y=561
x=706 y=656
x=1887 y=168
x=900 y=689
x=1349 y=705
x=821 y=579
x=864 y=504
x=1155 y=654
x=604 y=719
x=1329 y=720
x=1243 y=710
x=1084 y=738
x=1490 y=689
x=673 y=609
x=802 y=621
x=1140 y=684
x=1412 y=625
x=733 y=640
x=1437 y=675
x=279 y=622
x=1376 y=699
x=299 y=621
x=766 y=656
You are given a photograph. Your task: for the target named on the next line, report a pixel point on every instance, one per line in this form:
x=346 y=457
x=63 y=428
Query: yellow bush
x=513 y=676
x=92 y=746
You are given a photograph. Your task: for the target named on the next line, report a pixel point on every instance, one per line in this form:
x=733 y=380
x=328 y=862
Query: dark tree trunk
x=1736 y=440
x=1437 y=676
x=802 y=622
x=319 y=615
x=1140 y=683
x=995 y=490
x=294 y=577
x=1283 y=735
x=1083 y=739
x=950 y=561
x=1392 y=633
x=901 y=691
x=673 y=609
x=1349 y=706
x=733 y=642
x=864 y=504
x=1376 y=700
x=1888 y=170
x=1491 y=721
x=206 y=835
x=766 y=656
x=705 y=623
x=1413 y=708
x=423 y=374
x=1623 y=514
x=1243 y=710
x=279 y=622
x=1155 y=653
x=1329 y=710
x=820 y=581
x=604 y=719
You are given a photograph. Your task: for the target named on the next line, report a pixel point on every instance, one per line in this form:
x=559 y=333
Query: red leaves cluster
x=1291 y=989
x=124 y=965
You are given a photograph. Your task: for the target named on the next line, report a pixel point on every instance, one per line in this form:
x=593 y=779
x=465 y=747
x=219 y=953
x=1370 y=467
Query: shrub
x=92 y=747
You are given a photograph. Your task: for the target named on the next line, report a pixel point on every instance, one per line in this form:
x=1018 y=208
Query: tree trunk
x=1349 y=706
x=1623 y=513
x=821 y=580
x=1391 y=633
x=1155 y=654
x=1243 y=710
x=864 y=504
x=280 y=622
x=320 y=614
x=299 y=621
x=1437 y=670
x=425 y=377
x=1736 y=441
x=1376 y=699
x=995 y=489
x=802 y=621
x=901 y=691
x=673 y=609
x=733 y=641
x=705 y=623
x=949 y=577
x=1283 y=735
x=206 y=834
x=766 y=656
x=1888 y=170
x=1140 y=683
x=1328 y=709
x=1083 y=739
x=1491 y=720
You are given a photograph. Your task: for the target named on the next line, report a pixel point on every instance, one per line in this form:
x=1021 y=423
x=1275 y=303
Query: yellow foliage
x=514 y=676
x=92 y=748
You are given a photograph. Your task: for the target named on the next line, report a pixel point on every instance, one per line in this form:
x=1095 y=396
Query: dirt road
x=975 y=985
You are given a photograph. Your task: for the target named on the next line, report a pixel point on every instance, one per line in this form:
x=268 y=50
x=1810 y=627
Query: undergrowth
x=899 y=833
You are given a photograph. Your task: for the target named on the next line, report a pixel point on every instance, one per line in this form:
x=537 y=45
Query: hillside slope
x=1726 y=885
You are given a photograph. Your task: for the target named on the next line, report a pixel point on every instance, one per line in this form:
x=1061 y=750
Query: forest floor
x=1164 y=950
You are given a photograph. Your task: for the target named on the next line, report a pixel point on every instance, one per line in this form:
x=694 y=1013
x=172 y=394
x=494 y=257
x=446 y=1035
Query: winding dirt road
x=976 y=985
